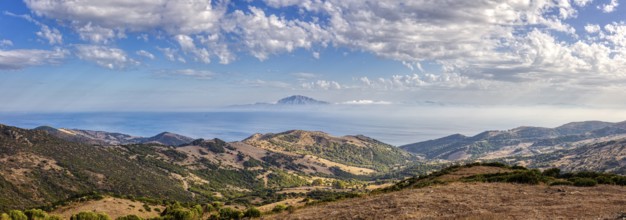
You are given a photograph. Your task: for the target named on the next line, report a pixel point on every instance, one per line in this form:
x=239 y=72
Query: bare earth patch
x=476 y=201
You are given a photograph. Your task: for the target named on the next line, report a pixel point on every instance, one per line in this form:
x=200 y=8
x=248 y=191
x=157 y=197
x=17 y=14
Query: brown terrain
x=474 y=200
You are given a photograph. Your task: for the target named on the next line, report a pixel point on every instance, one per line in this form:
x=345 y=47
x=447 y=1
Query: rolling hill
x=359 y=150
x=521 y=141
x=43 y=166
x=112 y=138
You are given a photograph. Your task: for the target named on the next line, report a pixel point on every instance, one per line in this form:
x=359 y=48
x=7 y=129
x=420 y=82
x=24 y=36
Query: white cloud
x=609 y=7
x=416 y=81
x=96 y=34
x=267 y=83
x=582 y=3
x=19 y=59
x=592 y=28
x=5 y=42
x=322 y=84
x=188 y=46
x=146 y=54
x=111 y=58
x=366 y=102
x=264 y=35
x=193 y=73
x=52 y=35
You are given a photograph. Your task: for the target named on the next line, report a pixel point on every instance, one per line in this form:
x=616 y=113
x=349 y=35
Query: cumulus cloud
x=111 y=58
x=19 y=59
x=322 y=84
x=472 y=41
x=264 y=35
x=145 y=54
x=609 y=7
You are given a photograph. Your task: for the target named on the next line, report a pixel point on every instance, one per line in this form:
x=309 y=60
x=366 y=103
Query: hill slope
x=37 y=169
x=356 y=150
x=112 y=138
x=521 y=141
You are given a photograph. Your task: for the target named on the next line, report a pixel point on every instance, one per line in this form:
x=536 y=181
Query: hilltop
x=113 y=138
x=359 y=150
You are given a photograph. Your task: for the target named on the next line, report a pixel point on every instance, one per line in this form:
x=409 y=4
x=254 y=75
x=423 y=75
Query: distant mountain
x=358 y=151
x=516 y=142
x=112 y=138
x=300 y=100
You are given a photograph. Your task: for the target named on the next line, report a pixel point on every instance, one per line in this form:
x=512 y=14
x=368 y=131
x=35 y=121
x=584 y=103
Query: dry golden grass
x=476 y=201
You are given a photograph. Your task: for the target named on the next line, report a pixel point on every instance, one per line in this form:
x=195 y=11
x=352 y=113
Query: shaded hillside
x=300 y=100
x=112 y=138
x=521 y=141
x=359 y=151
x=37 y=169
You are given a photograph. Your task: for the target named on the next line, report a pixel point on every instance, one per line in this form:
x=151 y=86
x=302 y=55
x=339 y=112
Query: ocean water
x=395 y=125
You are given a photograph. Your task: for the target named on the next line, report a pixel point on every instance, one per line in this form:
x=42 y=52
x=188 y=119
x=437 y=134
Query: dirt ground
x=477 y=201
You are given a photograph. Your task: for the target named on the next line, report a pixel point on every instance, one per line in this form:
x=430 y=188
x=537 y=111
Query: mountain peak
x=300 y=100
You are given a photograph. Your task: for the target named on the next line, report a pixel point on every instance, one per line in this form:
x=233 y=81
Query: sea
x=393 y=124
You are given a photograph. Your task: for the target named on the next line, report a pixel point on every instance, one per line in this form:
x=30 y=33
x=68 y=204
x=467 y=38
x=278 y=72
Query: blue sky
x=88 y=55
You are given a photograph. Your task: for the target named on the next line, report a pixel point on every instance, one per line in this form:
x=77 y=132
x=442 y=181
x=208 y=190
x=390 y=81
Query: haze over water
x=393 y=124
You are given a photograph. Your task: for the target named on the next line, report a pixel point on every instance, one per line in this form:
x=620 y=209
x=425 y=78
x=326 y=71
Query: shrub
x=228 y=213
x=552 y=172
x=279 y=208
x=619 y=180
x=17 y=215
x=252 y=213
x=584 y=182
x=5 y=216
x=90 y=216
x=604 y=179
x=129 y=217
x=36 y=214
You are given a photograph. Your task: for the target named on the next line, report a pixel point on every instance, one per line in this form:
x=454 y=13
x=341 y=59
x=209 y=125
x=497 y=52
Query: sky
x=177 y=55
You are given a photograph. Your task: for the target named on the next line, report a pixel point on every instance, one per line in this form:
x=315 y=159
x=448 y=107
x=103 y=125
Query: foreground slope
x=452 y=195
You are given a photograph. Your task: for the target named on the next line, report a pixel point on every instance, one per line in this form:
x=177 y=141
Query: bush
x=36 y=214
x=252 y=213
x=129 y=217
x=228 y=213
x=5 y=216
x=17 y=215
x=90 y=216
x=584 y=182
x=552 y=172
x=619 y=180
x=279 y=208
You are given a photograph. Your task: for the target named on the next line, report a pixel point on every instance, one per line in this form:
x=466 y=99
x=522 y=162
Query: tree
x=129 y=217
